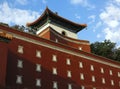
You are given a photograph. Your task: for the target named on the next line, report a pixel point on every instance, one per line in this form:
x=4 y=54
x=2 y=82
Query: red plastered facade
x=3 y=63
x=83 y=71
x=52 y=35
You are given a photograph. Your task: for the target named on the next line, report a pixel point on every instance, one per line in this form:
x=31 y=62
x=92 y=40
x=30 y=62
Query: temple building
x=53 y=58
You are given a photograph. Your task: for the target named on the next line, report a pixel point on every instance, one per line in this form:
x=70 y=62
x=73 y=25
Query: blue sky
x=101 y=16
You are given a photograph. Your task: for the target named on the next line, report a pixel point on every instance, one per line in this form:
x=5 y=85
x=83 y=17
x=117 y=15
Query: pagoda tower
x=53 y=27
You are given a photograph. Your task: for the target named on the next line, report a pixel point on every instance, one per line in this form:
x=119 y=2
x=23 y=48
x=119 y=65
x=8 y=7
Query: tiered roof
x=51 y=17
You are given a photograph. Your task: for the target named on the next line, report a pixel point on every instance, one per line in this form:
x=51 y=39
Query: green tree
x=105 y=49
x=118 y=54
x=24 y=29
x=18 y=27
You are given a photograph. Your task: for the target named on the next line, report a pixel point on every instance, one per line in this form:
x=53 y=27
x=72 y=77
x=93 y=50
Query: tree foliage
x=106 y=49
x=24 y=29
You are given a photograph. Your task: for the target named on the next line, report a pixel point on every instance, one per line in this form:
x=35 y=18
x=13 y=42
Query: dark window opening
x=63 y=33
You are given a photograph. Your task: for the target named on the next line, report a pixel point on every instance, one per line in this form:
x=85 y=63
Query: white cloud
x=83 y=3
x=92 y=18
x=78 y=1
x=77 y=16
x=44 y=1
x=118 y=1
x=22 y=2
x=112 y=34
x=110 y=17
x=16 y=16
x=97 y=26
x=98 y=35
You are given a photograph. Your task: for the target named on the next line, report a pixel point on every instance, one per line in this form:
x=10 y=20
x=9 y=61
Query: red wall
x=45 y=34
x=48 y=34
x=29 y=74
x=71 y=43
x=29 y=66
x=3 y=63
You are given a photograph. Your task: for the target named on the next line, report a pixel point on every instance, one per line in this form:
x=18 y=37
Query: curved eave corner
x=81 y=27
x=39 y=19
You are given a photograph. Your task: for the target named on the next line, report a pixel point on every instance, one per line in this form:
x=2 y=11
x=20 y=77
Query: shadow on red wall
x=29 y=75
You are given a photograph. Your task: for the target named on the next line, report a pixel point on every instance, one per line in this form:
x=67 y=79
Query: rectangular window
x=38 y=54
x=82 y=87
x=69 y=74
x=102 y=70
x=56 y=40
x=112 y=82
x=20 y=49
x=38 y=82
x=81 y=76
x=80 y=48
x=80 y=65
x=93 y=78
x=19 y=79
x=54 y=71
x=69 y=86
x=55 y=85
x=68 y=61
x=103 y=80
x=110 y=72
x=118 y=74
x=38 y=67
x=54 y=58
x=92 y=68
x=20 y=64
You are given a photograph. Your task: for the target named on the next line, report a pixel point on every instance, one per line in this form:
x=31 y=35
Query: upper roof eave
x=50 y=13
